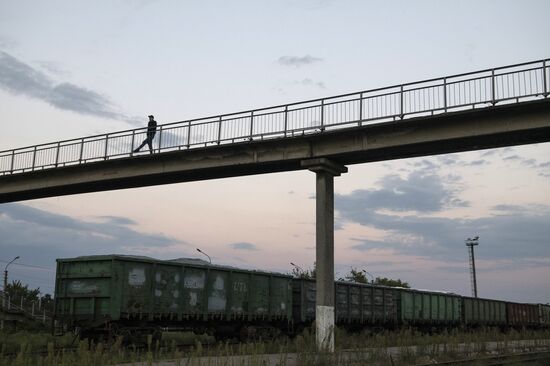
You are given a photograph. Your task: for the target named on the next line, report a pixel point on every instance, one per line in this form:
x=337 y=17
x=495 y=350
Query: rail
x=479 y=89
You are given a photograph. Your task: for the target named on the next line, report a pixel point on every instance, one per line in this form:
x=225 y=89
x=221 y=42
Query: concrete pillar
x=325 y=171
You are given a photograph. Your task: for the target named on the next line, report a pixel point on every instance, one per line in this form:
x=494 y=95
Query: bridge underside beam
x=506 y=125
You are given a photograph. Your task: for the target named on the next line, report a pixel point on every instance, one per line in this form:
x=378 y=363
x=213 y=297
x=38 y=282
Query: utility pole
x=470 y=243
x=6 y=273
x=5 y=288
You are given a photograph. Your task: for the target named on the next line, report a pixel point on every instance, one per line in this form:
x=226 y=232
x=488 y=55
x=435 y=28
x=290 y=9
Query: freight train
x=112 y=295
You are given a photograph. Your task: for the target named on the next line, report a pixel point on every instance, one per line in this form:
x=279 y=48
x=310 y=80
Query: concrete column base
x=324 y=318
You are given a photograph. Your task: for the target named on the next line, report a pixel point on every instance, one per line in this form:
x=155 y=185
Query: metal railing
x=32 y=310
x=480 y=89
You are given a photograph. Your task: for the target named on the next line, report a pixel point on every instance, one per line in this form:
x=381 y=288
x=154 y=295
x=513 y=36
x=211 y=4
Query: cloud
x=297 y=61
x=6 y=42
x=243 y=246
x=76 y=99
x=117 y=220
x=448 y=159
x=419 y=192
x=33 y=233
x=509 y=236
x=19 y=78
x=511 y=232
x=529 y=162
x=309 y=82
x=429 y=165
x=478 y=162
x=434 y=164
x=488 y=153
x=52 y=68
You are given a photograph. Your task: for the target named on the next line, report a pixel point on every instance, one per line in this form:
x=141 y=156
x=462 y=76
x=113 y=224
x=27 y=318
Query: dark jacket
x=152 y=128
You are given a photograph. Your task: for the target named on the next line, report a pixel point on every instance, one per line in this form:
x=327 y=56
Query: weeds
x=404 y=347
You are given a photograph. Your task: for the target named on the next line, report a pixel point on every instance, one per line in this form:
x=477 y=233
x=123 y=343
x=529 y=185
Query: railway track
x=527 y=358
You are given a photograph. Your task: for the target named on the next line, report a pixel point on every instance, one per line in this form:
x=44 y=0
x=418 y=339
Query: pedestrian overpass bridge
x=485 y=109
x=476 y=110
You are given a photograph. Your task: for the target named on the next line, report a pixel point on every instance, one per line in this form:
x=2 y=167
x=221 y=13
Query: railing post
x=322 y=115
x=33 y=157
x=445 y=94
x=360 y=109
x=81 y=151
x=57 y=154
x=133 y=140
x=106 y=146
x=544 y=78
x=189 y=135
x=251 y=124
x=493 y=94
x=220 y=130
x=12 y=160
x=286 y=119
x=401 y=113
x=160 y=138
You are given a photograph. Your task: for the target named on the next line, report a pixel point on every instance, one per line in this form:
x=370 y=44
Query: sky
x=70 y=69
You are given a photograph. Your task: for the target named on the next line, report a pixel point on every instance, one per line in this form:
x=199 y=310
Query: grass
x=411 y=347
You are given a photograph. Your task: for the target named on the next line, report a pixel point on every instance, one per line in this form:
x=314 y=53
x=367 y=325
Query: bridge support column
x=325 y=171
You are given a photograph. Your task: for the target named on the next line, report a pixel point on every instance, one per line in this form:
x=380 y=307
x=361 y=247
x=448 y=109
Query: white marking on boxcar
x=136 y=277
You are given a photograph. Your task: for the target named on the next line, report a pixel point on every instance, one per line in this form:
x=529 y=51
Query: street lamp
x=298 y=268
x=369 y=275
x=6 y=273
x=470 y=243
x=200 y=251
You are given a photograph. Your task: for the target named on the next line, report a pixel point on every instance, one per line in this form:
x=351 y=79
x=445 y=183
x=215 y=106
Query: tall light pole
x=300 y=270
x=470 y=243
x=200 y=251
x=369 y=275
x=6 y=273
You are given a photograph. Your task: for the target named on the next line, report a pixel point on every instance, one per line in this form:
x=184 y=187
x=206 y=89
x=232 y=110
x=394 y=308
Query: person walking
x=151 y=131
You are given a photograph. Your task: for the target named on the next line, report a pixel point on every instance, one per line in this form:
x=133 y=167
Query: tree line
x=354 y=275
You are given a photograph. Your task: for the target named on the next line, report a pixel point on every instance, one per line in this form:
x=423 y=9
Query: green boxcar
x=484 y=311
x=426 y=307
x=93 y=290
x=354 y=303
x=544 y=315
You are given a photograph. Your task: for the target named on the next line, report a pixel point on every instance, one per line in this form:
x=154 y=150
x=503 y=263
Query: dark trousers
x=149 y=141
